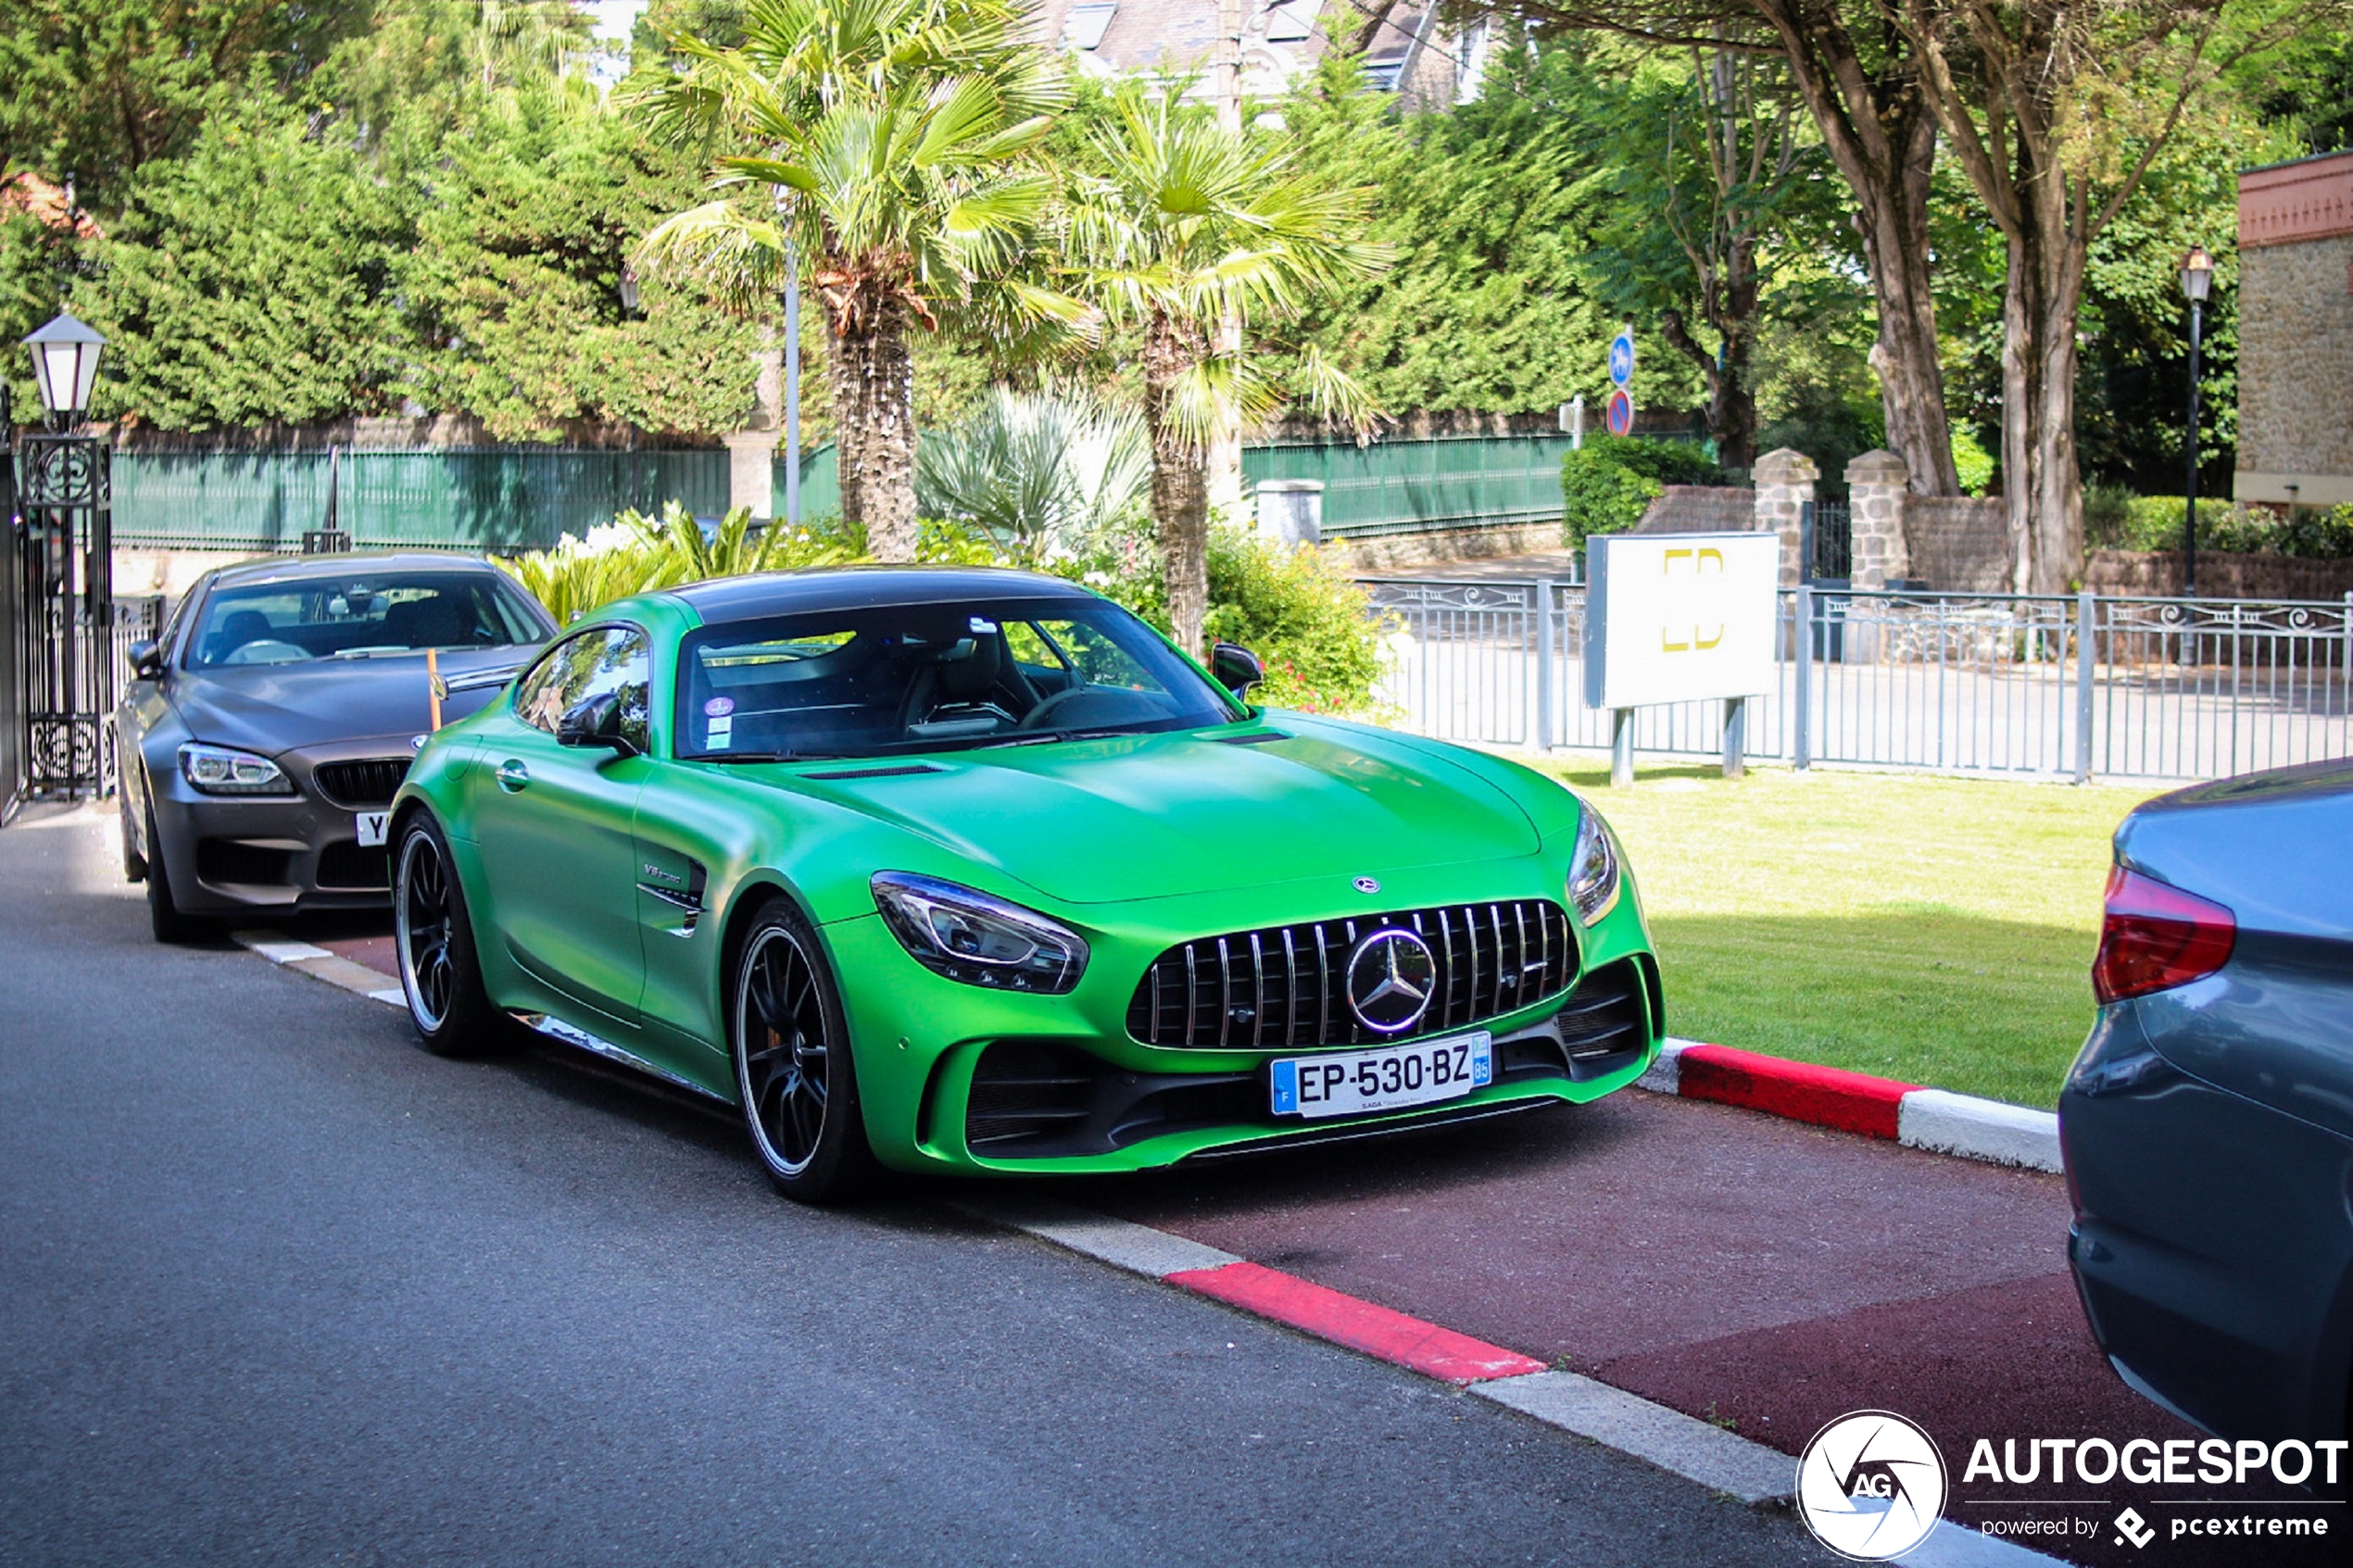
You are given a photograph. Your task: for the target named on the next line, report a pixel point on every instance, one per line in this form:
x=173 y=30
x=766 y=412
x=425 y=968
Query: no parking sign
x=1621 y=412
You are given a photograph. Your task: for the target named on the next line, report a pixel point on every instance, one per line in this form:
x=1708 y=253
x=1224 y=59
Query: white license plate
x=369 y=826
x=1346 y=1082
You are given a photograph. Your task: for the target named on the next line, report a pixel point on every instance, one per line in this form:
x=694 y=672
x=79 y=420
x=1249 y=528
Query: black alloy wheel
x=440 y=972
x=794 y=1069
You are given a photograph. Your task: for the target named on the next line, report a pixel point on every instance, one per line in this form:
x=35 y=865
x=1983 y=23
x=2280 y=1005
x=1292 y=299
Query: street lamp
x=65 y=361
x=2198 y=276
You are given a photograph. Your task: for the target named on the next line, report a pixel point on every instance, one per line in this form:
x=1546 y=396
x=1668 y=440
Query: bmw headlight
x=1593 y=879
x=969 y=936
x=220 y=769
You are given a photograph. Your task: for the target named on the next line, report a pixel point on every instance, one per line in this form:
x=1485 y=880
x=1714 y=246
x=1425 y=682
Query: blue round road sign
x=1621 y=358
x=1622 y=411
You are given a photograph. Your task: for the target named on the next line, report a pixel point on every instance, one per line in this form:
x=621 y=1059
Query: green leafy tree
x=882 y=147
x=101 y=88
x=1177 y=226
x=249 y=281
x=515 y=286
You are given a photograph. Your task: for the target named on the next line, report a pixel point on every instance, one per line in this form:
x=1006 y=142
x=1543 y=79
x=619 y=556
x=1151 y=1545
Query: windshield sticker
x=983 y=625
x=723 y=734
x=719 y=706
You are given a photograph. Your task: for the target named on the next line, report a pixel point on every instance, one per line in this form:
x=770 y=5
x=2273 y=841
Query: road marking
x=1376 y=1331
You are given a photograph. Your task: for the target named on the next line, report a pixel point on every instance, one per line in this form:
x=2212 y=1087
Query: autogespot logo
x=1870 y=1486
x=1390 y=976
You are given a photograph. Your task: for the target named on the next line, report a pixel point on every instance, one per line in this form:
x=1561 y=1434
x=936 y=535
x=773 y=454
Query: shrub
x=2114 y=519
x=1608 y=483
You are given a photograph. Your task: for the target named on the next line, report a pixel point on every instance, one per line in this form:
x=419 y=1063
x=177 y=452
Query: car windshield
x=874 y=681
x=364 y=614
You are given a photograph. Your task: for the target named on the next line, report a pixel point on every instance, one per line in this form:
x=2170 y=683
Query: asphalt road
x=276 y=1286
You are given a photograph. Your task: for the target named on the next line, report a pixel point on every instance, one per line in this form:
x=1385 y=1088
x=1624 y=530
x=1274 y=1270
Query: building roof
x=2287 y=203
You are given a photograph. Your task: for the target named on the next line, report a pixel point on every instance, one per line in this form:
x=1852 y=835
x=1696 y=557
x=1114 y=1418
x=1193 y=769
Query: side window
x=625 y=668
x=588 y=664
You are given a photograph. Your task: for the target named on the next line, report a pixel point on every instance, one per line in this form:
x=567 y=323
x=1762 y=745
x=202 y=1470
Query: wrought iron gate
x=66 y=634
x=12 y=625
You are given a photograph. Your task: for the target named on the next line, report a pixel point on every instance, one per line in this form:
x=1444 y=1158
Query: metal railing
x=2072 y=687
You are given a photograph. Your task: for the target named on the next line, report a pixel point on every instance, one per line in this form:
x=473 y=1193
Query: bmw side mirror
x=146 y=660
x=595 y=723
x=1236 y=669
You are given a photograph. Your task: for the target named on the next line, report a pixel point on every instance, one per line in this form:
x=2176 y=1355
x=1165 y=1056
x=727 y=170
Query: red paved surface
x=1744 y=1269
x=375 y=952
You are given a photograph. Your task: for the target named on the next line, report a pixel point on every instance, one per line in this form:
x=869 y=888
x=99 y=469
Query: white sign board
x=1679 y=617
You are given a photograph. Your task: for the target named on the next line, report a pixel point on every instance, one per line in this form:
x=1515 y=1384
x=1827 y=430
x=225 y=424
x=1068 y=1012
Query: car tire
x=134 y=865
x=164 y=915
x=440 y=968
x=794 y=1072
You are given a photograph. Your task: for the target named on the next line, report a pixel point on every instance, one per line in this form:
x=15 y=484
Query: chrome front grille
x=1280 y=987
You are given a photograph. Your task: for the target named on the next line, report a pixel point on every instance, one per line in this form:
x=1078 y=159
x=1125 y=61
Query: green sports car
x=970 y=870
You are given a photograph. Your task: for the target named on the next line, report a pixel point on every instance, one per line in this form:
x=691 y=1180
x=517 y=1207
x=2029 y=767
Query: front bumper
x=279 y=854
x=2212 y=1244
x=955 y=1077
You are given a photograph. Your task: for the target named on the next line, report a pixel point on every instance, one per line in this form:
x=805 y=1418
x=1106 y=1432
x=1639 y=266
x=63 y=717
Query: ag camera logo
x=1870 y=1486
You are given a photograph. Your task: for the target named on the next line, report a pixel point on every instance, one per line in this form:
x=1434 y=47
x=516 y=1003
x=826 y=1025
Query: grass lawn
x=1934 y=930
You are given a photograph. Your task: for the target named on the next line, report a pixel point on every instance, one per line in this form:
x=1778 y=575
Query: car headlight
x=1593 y=879
x=220 y=770
x=969 y=936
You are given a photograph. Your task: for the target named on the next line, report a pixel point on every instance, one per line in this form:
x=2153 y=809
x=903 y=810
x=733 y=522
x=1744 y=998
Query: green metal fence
x=1414 y=486
x=519 y=498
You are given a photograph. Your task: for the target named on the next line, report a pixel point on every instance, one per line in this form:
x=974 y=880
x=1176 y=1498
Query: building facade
x=2295 y=332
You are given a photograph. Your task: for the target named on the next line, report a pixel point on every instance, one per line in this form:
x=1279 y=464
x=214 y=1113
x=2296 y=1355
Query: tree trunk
x=1180 y=492
x=1894 y=221
x=1881 y=135
x=874 y=386
x=850 y=424
x=2042 y=478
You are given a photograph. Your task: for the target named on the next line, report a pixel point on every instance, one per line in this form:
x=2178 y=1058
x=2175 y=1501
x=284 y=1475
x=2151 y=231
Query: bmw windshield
x=876 y=680
x=296 y=619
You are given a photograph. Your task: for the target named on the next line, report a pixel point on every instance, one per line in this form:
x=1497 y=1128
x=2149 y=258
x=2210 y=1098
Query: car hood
x=1162 y=815
x=276 y=708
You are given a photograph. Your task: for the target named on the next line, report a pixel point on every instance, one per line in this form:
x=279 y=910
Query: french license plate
x=369 y=826
x=1346 y=1082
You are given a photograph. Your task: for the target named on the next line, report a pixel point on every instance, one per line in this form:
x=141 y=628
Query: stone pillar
x=1876 y=484
x=1784 y=483
x=751 y=473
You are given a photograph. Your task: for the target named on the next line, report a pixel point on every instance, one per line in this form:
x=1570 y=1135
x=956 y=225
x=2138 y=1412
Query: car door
x=554 y=826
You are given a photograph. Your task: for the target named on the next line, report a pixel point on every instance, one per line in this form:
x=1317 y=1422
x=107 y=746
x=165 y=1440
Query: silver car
x=263 y=735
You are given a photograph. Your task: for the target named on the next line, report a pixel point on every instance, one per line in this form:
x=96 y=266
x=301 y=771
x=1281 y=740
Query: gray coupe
x=263 y=735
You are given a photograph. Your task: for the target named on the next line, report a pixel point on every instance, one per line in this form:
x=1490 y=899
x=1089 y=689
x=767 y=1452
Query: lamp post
x=67 y=488
x=2198 y=276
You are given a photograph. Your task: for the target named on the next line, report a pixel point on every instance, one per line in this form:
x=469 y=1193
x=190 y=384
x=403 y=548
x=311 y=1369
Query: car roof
x=305 y=568
x=865 y=587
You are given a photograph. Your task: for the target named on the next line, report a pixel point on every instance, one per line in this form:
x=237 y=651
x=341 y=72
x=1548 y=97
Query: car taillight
x=2157 y=936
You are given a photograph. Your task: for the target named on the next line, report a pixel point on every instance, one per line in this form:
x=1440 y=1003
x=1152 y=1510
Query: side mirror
x=146 y=660
x=595 y=723
x=1236 y=669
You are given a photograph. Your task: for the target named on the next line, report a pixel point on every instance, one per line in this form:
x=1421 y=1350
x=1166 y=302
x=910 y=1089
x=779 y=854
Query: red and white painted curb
x=1682 y=1444
x=1856 y=1103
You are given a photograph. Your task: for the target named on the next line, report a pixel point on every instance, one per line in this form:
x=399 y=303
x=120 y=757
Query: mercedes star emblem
x=1367 y=884
x=1390 y=976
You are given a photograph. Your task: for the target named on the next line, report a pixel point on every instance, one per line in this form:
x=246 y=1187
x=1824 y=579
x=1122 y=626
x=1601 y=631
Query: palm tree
x=1181 y=225
x=885 y=147
x=1039 y=473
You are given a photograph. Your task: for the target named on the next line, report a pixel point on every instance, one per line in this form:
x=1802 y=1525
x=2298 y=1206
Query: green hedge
x=2114 y=519
x=1608 y=483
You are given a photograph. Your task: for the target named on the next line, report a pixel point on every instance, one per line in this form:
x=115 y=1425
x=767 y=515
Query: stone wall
x=1701 y=509
x=1958 y=544
x=2296 y=332
x=2220 y=576
x=1383 y=552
